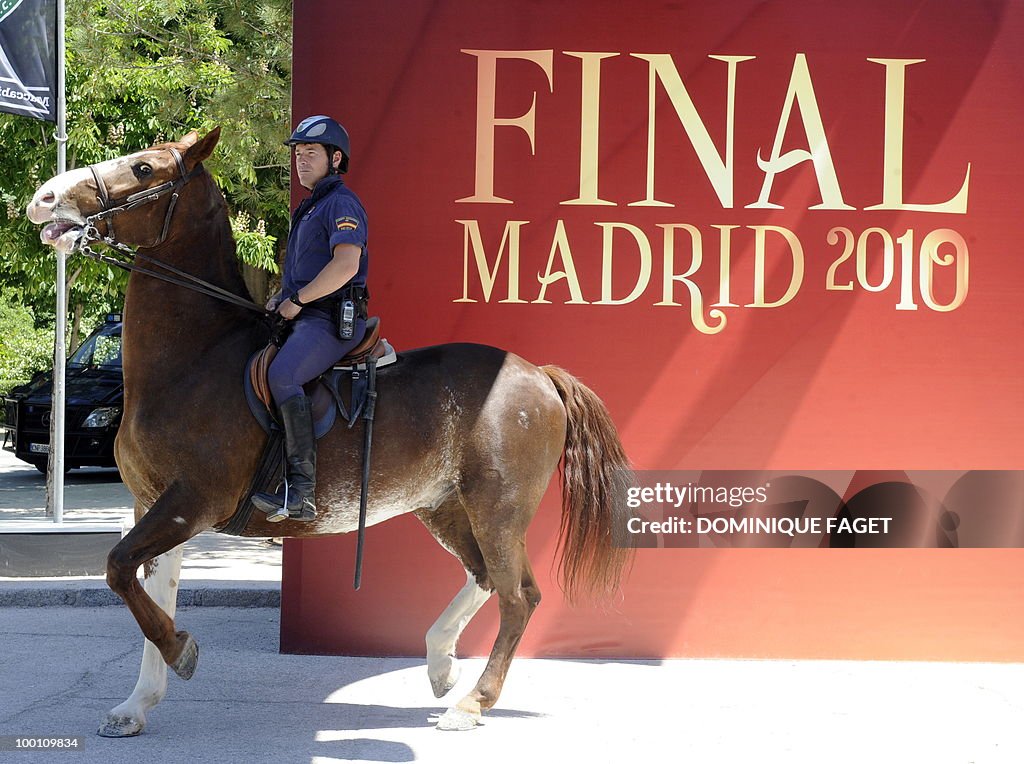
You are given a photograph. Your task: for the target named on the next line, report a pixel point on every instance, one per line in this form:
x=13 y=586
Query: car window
x=102 y=350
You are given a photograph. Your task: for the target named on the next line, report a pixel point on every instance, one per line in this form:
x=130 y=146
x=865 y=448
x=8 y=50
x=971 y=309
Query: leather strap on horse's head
x=108 y=207
x=139 y=198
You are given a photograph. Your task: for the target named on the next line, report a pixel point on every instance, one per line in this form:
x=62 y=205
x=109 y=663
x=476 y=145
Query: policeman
x=323 y=293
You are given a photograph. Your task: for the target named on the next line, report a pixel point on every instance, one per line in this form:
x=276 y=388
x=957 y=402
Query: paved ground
x=214 y=565
x=62 y=668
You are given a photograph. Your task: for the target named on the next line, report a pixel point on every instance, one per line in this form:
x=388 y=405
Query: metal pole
x=57 y=410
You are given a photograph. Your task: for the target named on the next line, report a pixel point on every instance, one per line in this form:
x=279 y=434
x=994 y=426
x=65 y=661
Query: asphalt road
x=62 y=669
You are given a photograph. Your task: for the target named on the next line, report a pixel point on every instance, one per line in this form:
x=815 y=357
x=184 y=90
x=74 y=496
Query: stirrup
x=279 y=514
x=304 y=514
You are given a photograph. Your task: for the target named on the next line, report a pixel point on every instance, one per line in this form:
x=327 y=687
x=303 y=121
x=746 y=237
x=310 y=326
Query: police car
x=94 y=391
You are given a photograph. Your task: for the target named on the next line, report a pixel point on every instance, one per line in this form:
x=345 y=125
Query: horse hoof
x=445 y=678
x=120 y=726
x=185 y=665
x=457 y=719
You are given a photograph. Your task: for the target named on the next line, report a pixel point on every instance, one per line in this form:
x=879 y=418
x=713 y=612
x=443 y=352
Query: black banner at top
x=28 y=58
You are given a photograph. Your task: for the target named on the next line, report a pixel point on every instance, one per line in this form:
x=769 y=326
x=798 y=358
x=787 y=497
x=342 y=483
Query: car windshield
x=102 y=350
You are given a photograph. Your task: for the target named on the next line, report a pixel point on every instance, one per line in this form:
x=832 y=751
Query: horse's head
x=136 y=193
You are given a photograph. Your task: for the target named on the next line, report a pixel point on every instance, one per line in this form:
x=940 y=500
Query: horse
x=467 y=436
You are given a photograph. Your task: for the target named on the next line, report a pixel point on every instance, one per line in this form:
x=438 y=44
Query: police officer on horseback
x=323 y=295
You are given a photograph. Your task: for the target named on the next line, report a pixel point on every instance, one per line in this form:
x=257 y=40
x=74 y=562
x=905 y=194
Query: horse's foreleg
x=129 y=718
x=442 y=667
x=172 y=520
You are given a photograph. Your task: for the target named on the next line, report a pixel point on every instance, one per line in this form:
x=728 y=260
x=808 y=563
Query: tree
x=24 y=350
x=145 y=71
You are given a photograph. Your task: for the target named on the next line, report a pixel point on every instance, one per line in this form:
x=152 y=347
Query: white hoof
x=457 y=719
x=444 y=676
x=120 y=726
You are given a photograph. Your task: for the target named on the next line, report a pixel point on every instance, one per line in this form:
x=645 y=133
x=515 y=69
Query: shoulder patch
x=346 y=223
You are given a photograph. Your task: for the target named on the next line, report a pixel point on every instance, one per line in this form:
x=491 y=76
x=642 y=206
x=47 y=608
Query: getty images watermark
x=815 y=509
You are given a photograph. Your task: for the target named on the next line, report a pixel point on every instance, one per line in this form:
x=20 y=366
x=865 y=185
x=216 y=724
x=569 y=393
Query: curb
x=212 y=596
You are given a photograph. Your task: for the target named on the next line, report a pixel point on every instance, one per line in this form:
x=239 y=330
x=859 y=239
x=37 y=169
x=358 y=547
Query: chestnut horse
x=467 y=436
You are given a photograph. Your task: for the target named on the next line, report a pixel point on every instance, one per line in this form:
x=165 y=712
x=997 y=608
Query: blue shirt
x=331 y=215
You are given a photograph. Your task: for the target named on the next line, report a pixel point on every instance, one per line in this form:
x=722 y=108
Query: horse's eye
x=142 y=171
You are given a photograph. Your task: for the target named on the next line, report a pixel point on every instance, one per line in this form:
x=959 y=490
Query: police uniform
x=332 y=215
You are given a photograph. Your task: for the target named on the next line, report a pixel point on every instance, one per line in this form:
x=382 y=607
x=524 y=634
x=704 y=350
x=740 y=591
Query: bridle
x=109 y=208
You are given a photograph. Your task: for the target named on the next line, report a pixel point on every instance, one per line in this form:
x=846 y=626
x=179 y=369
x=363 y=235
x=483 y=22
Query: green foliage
x=255 y=247
x=141 y=72
x=25 y=349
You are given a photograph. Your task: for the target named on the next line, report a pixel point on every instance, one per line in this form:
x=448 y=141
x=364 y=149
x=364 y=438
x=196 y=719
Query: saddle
x=325 y=392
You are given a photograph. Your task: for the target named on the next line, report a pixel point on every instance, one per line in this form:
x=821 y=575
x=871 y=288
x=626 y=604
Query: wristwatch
x=295 y=298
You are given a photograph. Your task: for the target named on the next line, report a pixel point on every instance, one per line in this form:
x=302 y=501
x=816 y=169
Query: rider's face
x=310 y=163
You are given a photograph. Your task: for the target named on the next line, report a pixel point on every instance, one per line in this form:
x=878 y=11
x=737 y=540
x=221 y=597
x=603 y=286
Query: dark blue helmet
x=327 y=132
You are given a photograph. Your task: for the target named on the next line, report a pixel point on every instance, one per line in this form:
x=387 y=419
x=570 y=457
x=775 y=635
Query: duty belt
x=359 y=295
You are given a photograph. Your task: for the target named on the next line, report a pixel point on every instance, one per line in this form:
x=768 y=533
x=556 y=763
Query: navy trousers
x=310 y=350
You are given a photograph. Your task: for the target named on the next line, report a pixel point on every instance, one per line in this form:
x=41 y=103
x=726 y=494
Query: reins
x=108 y=210
x=188 y=281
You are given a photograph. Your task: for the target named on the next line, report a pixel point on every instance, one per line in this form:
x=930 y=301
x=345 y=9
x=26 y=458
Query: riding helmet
x=325 y=131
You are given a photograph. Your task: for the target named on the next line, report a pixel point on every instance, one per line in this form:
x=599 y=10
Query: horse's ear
x=203 y=147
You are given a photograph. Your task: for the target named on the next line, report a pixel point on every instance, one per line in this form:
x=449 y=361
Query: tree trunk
x=257 y=282
x=76 y=327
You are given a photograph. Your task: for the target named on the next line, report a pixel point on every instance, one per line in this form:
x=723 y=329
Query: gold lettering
x=590 y=117
x=509 y=241
x=718 y=170
x=642 y=279
x=892 y=163
x=486 y=121
x=930 y=257
x=725 y=256
x=560 y=244
x=796 y=251
x=801 y=92
x=696 y=298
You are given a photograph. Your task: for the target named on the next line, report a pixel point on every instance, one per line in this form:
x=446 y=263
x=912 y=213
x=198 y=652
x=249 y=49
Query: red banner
x=770 y=237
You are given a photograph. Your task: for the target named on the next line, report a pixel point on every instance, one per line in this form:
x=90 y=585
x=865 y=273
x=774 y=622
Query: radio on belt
x=347 y=325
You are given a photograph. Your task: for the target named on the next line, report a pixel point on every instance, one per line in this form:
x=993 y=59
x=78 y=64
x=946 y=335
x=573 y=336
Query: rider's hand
x=289 y=309
x=273 y=302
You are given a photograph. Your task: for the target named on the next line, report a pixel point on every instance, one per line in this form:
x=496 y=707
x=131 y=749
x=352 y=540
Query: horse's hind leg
x=500 y=532
x=129 y=718
x=450 y=526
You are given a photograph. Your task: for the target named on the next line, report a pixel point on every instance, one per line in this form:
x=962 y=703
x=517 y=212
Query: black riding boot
x=300 y=448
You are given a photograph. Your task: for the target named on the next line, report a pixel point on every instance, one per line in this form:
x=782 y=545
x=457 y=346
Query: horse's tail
x=595 y=472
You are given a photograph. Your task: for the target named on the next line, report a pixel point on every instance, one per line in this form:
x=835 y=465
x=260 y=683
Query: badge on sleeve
x=346 y=224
